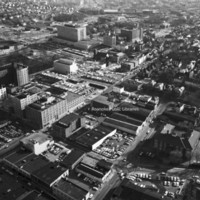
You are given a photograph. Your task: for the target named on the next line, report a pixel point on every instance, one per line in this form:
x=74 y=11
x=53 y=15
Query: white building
x=65 y=66
x=37 y=142
x=22 y=74
x=3 y=93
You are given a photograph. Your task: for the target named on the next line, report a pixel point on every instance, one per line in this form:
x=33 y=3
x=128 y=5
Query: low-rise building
x=37 y=142
x=65 y=66
x=66 y=190
x=67 y=125
x=91 y=139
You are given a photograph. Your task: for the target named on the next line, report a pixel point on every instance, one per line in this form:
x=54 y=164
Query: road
x=114 y=182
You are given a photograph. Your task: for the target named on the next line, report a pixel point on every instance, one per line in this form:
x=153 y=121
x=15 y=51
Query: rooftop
x=72 y=158
x=64 y=61
x=49 y=173
x=90 y=137
x=117 y=123
x=68 y=119
x=71 y=190
x=89 y=170
x=18 y=156
x=36 y=138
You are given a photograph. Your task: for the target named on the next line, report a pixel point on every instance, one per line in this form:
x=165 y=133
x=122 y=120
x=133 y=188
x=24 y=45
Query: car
x=141 y=153
x=138 y=180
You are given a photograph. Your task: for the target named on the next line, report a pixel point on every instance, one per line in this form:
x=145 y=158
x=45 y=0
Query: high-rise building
x=110 y=40
x=22 y=74
x=133 y=35
x=3 y=93
x=72 y=32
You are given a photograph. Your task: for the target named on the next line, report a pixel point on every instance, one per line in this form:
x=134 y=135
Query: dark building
x=8 y=75
x=67 y=125
x=72 y=159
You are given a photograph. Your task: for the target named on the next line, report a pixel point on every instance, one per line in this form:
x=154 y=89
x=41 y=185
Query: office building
x=110 y=40
x=22 y=74
x=37 y=142
x=65 y=66
x=49 y=109
x=133 y=35
x=22 y=97
x=3 y=93
x=67 y=125
x=72 y=32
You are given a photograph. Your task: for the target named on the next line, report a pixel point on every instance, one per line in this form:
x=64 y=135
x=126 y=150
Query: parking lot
x=11 y=130
x=162 y=183
x=114 y=146
x=56 y=152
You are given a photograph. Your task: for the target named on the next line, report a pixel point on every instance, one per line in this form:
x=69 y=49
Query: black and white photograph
x=99 y=99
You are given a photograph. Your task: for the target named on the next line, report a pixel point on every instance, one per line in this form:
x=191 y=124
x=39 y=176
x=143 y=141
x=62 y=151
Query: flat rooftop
x=47 y=80
x=113 y=122
x=72 y=158
x=18 y=156
x=90 y=170
x=64 y=61
x=71 y=190
x=49 y=173
x=10 y=187
x=68 y=119
x=36 y=138
x=127 y=119
x=90 y=137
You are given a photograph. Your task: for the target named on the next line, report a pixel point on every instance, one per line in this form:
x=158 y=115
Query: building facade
x=22 y=74
x=72 y=32
x=3 y=93
x=65 y=66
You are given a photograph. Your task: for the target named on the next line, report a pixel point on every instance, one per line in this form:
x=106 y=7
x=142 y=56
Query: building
x=65 y=66
x=49 y=109
x=101 y=104
x=37 y=142
x=25 y=162
x=3 y=93
x=133 y=35
x=96 y=169
x=123 y=123
x=73 y=159
x=91 y=139
x=67 y=125
x=110 y=40
x=72 y=32
x=49 y=174
x=22 y=74
x=174 y=139
x=66 y=190
x=22 y=97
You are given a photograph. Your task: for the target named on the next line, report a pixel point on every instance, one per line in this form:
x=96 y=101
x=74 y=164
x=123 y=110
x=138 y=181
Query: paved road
x=114 y=182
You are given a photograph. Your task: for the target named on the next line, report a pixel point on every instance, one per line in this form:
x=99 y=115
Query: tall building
x=22 y=74
x=110 y=40
x=23 y=97
x=133 y=35
x=49 y=109
x=72 y=32
x=3 y=93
